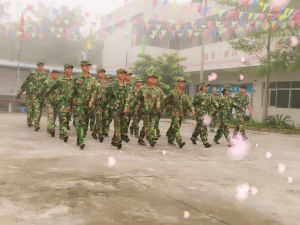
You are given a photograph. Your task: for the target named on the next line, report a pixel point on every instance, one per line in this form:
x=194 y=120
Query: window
x=272 y=98
x=283 y=98
x=295 y=99
x=285 y=94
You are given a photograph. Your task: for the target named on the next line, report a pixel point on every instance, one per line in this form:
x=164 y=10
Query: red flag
x=22 y=31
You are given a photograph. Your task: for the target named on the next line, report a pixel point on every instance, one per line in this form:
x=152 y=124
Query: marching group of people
x=94 y=102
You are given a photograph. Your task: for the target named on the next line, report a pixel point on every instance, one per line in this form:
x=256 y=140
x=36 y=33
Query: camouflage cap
x=85 y=63
x=68 y=66
x=244 y=86
x=203 y=84
x=54 y=71
x=40 y=64
x=108 y=76
x=101 y=70
x=138 y=80
x=180 y=79
x=128 y=73
x=121 y=70
x=227 y=87
x=151 y=75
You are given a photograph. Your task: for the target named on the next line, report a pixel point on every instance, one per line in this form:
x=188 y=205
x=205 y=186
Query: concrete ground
x=45 y=181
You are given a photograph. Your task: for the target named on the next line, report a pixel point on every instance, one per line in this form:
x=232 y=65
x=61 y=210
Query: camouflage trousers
x=118 y=118
x=148 y=129
x=107 y=120
x=64 y=119
x=52 y=112
x=174 y=129
x=136 y=118
x=90 y=120
x=156 y=125
x=200 y=129
x=223 y=129
x=29 y=108
x=240 y=124
x=215 y=120
x=125 y=126
x=81 y=118
x=99 y=127
x=36 y=110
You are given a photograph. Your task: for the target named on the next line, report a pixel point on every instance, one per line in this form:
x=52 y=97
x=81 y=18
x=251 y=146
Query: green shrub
x=280 y=122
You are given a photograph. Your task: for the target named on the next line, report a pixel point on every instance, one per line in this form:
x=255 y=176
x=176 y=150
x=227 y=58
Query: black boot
x=82 y=146
x=66 y=139
x=181 y=144
x=94 y=135
x=101 y=139
x=141 y=142
x=194 y=141
x=207 y=145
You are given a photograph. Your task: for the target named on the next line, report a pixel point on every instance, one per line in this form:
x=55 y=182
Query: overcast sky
x=100 y=7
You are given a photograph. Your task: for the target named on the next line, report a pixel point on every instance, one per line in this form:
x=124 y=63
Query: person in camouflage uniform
x=135 y=109
x=225 y=109
x=117 y=98
x=51 y=101
x=33 y=84
x=202 y=103
x=127 y=116
x=64 y=87
x=84 y=88
x=150 y=102
x=241 y=103
x=161 y=86
x=177 y=103
x=215 y=96
x=108 y=112
x=99 y=127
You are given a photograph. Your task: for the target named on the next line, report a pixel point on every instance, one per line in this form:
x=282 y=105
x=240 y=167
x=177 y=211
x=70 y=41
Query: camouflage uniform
x=127 y=116
x=27 y=87
x=108 y=112
x=156 y=126
x=84 y=89
x=202 y=103
x=225 y=109
x=177 y=103
x=51 y=104
x=240 y=104
x=34 y=84
x=215 y=112
x=116 y=97
x=135 y=112
x=150 y=102
x=100 y=111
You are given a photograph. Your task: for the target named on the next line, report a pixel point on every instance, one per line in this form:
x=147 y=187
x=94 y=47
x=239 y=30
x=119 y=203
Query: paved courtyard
x=45 y=181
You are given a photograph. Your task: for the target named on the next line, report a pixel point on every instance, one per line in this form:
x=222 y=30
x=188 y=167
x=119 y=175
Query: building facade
x=125 y=40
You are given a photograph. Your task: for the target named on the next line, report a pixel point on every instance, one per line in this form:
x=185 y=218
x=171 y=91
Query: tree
x=166 y=67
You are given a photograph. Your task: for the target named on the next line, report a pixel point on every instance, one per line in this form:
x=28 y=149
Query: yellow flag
x=89 y=44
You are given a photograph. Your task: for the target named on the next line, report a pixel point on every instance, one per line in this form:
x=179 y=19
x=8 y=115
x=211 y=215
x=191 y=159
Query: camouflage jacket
x=177 y=103
x=203 y=104
x=150 y=99
x=100 y=92
x=240 y=102
x=215 y=98
x=84 y=89
x=33 y=83
x=117 y=97
x=225 y=108
x=51 y=93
